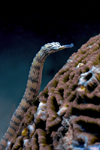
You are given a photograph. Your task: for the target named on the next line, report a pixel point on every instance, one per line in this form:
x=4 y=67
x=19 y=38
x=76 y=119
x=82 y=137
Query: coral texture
x=66 y=114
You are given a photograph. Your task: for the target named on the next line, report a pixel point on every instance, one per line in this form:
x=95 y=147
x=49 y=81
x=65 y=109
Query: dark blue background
x=24 y=28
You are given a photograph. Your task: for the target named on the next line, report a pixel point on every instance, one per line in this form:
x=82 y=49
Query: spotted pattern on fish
x=32 y=89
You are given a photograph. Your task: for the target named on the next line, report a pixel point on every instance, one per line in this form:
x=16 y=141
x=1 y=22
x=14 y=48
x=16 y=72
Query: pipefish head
x=55 y=46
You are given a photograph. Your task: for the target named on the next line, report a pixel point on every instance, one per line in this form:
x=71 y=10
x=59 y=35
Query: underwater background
x=24 y=28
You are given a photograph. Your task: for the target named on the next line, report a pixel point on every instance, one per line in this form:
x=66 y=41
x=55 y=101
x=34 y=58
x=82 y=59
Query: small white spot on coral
x=26 y=142
x=41 y=111
x=8 y=144
x=69 y=60
x=41 y=105
x=43 y=116
x=82 y=88
x=31 y=128
x=62 y=111
x=80 y=64
x=89 y=46
x=65 y=66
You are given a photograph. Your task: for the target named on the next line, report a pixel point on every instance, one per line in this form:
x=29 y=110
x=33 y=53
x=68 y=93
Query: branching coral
x=66 y=114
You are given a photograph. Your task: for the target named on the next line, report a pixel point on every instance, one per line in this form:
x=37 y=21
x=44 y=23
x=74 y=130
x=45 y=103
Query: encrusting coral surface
x=66 y=114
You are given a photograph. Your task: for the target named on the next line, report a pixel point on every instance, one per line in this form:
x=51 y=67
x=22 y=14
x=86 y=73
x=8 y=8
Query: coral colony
x=66 y=114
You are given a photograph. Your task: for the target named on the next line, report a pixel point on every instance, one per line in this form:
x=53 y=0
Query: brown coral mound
x=66 y=114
